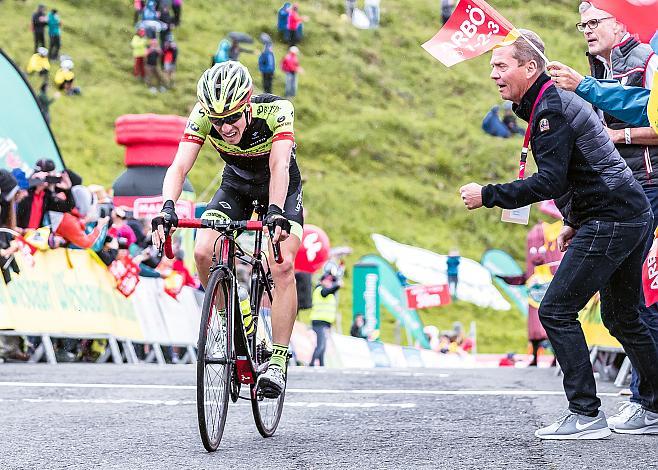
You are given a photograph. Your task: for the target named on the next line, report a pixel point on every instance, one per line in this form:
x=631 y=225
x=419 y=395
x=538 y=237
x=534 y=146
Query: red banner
x=473 y=29
x=419 y=296
x=639 y=16
x=149 y=207
x=650 y=276
x=126 y=273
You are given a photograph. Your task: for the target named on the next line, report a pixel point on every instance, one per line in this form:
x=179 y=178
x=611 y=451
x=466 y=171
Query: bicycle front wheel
x=266 y=411
x=214 y=360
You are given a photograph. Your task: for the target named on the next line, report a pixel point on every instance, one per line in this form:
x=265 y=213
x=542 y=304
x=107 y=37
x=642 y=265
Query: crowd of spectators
x=39 y=63
x=366 y=18
x=49 y=209
x=154 y=49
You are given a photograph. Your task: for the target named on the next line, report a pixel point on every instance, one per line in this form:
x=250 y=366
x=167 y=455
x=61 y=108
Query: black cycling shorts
x=235 y=198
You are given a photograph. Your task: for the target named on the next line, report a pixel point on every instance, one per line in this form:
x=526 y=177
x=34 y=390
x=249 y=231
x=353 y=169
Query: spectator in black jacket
x=49 y=191
x=607 y=219
x=39 y=22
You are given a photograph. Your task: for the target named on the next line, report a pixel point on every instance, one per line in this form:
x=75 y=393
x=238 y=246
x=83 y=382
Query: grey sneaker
x=272 y=382
x=574 y=426
x=641 y=422
x=625 y=411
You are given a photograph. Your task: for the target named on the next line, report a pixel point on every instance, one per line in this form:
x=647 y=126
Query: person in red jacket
x=295 y=21
x=290 y=65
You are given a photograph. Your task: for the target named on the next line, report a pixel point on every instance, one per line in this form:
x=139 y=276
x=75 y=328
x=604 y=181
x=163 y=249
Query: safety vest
x=324 y=308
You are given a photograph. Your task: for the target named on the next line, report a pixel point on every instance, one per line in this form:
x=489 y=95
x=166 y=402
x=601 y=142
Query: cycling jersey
x=271 y=119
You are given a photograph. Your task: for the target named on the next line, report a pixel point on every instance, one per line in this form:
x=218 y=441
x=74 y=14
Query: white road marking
x=123 y=401
x=529 y=393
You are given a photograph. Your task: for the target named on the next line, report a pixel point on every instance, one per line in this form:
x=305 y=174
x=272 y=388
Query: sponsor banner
x=55 y=298
x=426 y=267
x=420 y=296
x=394 y=300
x=395 y=355
x=24 y=134
x=352 y=352
x=378 y=353
x=149 y=207
x=366 y=295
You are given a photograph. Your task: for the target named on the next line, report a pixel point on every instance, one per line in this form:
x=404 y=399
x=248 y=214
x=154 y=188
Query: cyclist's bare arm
x=172 y=185
x=279 y=178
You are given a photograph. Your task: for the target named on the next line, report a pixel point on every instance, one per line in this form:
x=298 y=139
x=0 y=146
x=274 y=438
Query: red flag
x=126 y=274
x=473 y=29
x=650 y=276
x=639 y=16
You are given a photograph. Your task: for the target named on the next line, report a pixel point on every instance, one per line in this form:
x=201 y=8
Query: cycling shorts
x=235 y=196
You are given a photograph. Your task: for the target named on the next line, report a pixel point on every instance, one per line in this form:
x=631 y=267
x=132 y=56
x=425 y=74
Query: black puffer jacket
x=577 y=163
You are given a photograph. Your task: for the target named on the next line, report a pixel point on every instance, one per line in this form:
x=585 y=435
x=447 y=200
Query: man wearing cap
x=47 y=191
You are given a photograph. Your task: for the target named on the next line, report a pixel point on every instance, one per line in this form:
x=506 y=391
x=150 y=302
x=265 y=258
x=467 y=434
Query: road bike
x=227 y=357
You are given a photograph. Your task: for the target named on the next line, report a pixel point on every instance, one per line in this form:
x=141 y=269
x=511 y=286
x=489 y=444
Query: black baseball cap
x=45 y=164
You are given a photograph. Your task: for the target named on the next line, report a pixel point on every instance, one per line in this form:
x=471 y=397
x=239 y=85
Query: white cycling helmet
x=224 y=88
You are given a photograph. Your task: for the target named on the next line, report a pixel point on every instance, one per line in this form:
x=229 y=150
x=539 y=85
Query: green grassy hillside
x=386 y=134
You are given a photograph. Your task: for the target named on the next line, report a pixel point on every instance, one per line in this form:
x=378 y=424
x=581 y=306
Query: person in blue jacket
x=267 y=65
x=628 y=104
x=282 y=21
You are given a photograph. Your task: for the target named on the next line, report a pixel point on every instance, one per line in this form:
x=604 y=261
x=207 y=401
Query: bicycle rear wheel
x=214 y=360
x=266 y=411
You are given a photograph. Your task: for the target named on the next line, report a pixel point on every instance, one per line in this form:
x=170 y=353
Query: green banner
x=393 y=297
x=366 y=295
x=24 y=134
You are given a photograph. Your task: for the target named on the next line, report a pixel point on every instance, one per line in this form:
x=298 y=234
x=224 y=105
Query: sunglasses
x=593 y=24
x=230 y=119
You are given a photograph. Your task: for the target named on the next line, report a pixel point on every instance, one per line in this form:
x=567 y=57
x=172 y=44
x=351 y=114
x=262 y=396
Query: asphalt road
x=144 y=417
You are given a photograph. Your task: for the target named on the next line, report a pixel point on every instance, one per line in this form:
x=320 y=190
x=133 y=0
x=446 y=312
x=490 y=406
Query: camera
x=53 y=179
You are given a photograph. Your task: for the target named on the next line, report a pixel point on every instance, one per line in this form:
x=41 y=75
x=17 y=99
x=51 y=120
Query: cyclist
x=254 y=136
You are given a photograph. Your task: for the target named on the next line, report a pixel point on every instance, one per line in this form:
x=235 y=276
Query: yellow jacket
x=37 y=63
x=324 y=308
x=139 y=45
x=63 y=75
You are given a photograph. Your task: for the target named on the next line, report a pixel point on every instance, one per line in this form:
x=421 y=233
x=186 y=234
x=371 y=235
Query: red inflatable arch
x=151 y=141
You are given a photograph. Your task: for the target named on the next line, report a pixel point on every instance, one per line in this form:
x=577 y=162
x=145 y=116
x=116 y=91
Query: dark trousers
x=267 y=82
x=39 y=40
x=604 y=257
x=321 y=329
x=53 y=51
x=648 y=315
x=176 y=9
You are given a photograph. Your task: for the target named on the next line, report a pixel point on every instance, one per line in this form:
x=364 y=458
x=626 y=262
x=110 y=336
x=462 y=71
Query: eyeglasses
x=593 y=24
x=230 y=119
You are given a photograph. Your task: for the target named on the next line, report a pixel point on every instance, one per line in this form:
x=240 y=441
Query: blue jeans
x=321 y=329
x=648 y=315
x=291 y=84
x=604 y=257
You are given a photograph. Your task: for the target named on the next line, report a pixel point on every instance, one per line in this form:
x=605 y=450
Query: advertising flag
x=473 y=29
x=639 y=16
x=650 y=276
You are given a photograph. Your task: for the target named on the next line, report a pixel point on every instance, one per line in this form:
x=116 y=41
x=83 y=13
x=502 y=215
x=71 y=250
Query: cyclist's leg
x=284 y=305
x=227 y=203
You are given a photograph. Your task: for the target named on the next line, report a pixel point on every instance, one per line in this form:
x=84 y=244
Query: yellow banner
x=57 y=297
x=595 y=333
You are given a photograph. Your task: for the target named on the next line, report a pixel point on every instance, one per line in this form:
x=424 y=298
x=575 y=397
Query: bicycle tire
x=213 y=379
x=267 y=412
